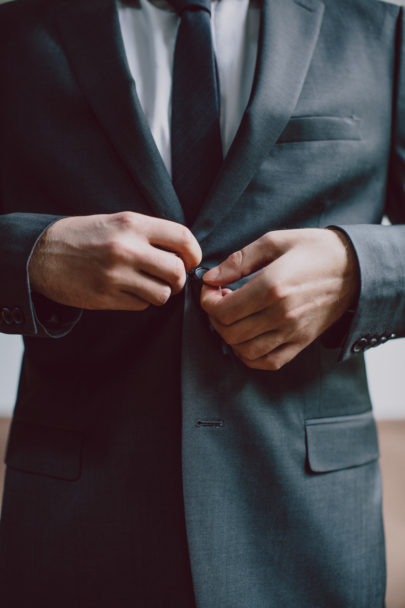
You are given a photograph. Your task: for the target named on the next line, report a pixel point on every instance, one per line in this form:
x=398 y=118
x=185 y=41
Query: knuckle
x=186 y=237
x=230 y=337
x=267 y=239
x=251 y=352
x=275 y=239
x=113 y=251
x=250 y=364
x=224 y=318
x=125 y=219
x=205 y=301
x=235 y=260
x=291 y=316
x=274 y=363
x=104 y=282
x=178 y=273
x=278 y=358
x=278 y=291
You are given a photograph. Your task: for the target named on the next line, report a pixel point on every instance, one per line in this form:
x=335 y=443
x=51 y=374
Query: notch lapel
x=288 y=35
x=91 y=36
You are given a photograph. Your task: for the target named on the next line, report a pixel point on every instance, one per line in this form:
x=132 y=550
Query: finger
x=177 y=238
x=272 y=287
x=122 y=301
x=260 y=346
x=249 y=328
x=150 y=289
x=166 y=266
x=243 y=262
x=255 y=296
x=211 y=296
x=275 y=360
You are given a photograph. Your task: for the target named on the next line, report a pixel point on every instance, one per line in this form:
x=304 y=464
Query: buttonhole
x=213 y=424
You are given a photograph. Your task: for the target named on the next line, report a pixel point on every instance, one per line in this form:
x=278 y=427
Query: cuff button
x=360 y=346
x=17 y=315
x=197 y=273
x=374 y=341
x=6 y=316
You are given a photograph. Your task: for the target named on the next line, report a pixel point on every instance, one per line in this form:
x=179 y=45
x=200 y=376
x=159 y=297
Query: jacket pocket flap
x=44 y=450
x=321 y=128
x=341 y=442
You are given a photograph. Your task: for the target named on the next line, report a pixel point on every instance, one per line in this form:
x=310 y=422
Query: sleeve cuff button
x=17 y=315
x=6 y=316
x=361 y=345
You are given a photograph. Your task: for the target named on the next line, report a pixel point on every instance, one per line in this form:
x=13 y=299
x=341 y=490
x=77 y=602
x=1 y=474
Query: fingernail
x=212 y=275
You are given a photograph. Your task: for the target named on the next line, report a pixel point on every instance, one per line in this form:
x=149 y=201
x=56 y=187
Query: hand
x=121 y=261
x=308 y=278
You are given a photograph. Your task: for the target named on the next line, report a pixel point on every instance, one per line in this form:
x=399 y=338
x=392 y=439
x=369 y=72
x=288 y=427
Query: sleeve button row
x=370 y=341
x=11 y=316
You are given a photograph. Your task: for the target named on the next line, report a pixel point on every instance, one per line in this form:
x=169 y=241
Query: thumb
x=211 y=296
x=242 y=263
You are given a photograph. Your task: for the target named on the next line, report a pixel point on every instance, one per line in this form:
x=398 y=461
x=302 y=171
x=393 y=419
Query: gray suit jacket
x=278 y=470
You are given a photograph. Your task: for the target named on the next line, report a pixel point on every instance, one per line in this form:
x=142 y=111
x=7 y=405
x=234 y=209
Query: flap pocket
x=341 y=442
x=321 y=128
x=44 y=450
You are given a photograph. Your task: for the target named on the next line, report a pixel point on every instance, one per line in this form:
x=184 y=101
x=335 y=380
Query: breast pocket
x=321 y=128
x=341 y=442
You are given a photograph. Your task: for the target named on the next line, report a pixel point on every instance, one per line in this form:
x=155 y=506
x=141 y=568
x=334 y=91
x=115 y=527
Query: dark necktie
x=195 y=133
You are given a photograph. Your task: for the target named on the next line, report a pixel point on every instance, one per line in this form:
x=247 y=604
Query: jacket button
x=197 y=273
x=392 y=336
x=383 y=338
x=17 y=315
x=6 y=316
x=360 y=346
x=374 y=341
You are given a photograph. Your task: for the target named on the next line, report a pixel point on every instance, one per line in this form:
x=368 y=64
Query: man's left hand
x=307 y=280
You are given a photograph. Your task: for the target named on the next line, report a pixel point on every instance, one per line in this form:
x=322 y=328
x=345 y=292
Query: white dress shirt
x=149 y=36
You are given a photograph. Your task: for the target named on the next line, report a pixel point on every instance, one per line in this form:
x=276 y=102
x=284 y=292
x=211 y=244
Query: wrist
x=350 y=269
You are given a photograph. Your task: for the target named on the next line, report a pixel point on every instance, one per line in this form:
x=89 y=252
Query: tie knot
x=185 y=5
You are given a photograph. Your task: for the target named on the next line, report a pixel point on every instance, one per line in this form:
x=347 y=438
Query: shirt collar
x=164 y=5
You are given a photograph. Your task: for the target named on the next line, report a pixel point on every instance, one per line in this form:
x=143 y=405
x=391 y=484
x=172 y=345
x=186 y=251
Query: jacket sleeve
x=21 y=311
x=380 y=250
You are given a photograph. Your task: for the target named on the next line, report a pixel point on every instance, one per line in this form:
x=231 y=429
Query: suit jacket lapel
x=90 y=33
x=288 y=36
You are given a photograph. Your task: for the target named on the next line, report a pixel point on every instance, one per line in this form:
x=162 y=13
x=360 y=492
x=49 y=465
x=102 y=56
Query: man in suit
x=183 y=437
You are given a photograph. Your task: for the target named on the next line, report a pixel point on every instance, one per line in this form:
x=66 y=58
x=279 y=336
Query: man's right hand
x=121 y=261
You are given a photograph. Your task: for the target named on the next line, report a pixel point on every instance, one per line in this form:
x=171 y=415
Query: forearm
x=21 y=311
x=380 y=310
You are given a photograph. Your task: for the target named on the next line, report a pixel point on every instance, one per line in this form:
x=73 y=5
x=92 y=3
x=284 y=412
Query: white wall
x=386 y=379
x=10 y=357
x=386 y=367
